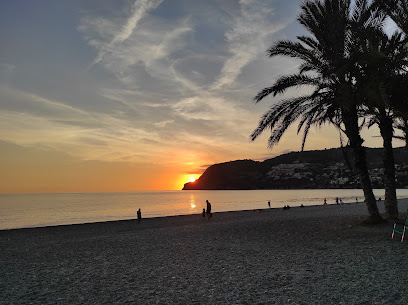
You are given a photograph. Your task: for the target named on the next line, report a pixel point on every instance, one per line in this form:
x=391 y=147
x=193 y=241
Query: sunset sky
x=123 y=95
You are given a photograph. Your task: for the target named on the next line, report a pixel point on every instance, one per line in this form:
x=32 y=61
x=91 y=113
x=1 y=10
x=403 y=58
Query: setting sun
x=190 y=178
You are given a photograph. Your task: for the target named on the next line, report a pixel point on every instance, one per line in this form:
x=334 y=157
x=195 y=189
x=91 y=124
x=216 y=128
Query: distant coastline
x=317 y=169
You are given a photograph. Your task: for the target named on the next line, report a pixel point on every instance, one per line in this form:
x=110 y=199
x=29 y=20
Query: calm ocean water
x=36 y=210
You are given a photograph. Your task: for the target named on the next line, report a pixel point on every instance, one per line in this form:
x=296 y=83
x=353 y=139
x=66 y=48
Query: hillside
x=318 y=169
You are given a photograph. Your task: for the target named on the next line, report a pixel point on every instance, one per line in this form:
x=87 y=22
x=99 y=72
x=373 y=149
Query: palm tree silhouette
x=384 y=60
x=328 y=65
x=387 y=95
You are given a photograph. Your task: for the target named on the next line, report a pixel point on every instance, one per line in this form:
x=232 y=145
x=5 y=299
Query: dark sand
x=311 y=255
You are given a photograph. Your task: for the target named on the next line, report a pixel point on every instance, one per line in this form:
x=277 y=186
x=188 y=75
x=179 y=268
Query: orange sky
x=28 y=170
x=34 y=170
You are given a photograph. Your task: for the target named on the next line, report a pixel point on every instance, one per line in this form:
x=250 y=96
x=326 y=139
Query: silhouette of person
x=139 y=216
x=269 y=204
x=337 y=200
x=203 y=214
x=325 y=201
x=209 y=215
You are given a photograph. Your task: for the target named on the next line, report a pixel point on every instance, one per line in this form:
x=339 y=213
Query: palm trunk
x=365 y=182
x=391 y=203
x=350 y=120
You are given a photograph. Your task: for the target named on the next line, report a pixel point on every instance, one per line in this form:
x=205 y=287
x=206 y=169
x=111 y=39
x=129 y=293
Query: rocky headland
x=317 y=169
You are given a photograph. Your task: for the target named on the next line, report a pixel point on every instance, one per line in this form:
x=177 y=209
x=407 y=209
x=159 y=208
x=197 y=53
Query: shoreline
x=158 y=218
x=51 y=210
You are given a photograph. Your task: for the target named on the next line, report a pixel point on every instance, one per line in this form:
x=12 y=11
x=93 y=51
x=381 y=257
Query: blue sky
x=154 y=86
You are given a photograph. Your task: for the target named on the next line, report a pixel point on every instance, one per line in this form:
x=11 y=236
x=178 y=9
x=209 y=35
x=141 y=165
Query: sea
x=39 y=210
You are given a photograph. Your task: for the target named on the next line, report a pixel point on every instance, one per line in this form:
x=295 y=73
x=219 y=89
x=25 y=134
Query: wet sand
x=310 y=255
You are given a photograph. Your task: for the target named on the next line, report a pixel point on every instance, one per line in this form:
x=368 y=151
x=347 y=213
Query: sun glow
x=187 y=178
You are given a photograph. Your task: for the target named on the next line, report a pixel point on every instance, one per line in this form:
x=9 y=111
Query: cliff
x=318 y=169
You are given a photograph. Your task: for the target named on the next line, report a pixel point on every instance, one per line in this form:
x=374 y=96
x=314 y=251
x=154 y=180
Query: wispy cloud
x=139 y=9
x=247 y=39
x=163 y=123
x=64 y=127
x=146 y=58
x=90 y=135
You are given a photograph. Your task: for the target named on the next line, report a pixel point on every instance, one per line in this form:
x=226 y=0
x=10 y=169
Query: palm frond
x=309 y=41
x=285 y=82
x=291 y=49
x=286 y=110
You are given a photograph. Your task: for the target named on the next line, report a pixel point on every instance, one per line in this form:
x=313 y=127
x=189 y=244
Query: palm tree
x=387 y=100
x=328 y=67
x=381 y=63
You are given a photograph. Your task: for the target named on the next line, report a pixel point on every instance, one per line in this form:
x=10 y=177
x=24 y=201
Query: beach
x=310 y=255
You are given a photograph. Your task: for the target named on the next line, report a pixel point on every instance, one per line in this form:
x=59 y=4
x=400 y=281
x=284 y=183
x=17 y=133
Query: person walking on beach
x=269 y=204
x=139 y=216
x=209 y=215
x=203 y=214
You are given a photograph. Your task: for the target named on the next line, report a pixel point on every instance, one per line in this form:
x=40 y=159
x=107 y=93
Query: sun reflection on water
x=192 y=202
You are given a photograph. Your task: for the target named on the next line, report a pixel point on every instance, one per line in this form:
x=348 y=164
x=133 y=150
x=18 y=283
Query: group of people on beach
x=340 y=201
x=208 y=212
x=205 y=213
